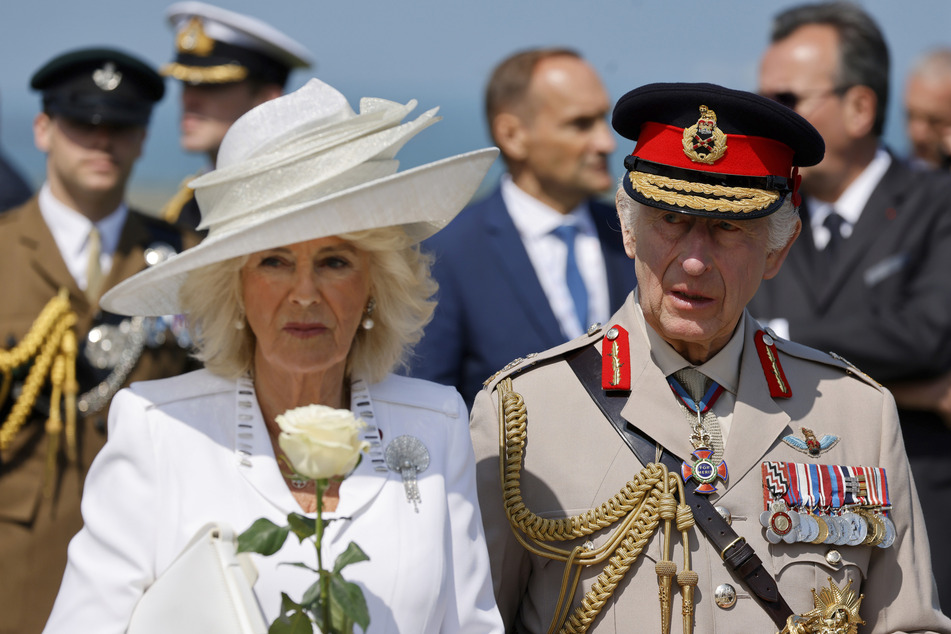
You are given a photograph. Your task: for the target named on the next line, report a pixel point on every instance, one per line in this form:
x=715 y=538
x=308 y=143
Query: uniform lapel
x=509 y=252
x=43 y=254
x=129 y=257
x=758 y=421
x=652 y=406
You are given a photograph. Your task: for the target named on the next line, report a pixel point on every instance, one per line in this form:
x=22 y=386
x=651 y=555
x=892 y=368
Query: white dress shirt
x=851 y=203
x=71 y=229
x=535 y=222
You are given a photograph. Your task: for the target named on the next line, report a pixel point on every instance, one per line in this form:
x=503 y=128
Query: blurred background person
x=14 y=189
x=309 y=293
x=76 y=237
x=867 y=278
x=928 y=108
x=540 y=245
x=228 y=63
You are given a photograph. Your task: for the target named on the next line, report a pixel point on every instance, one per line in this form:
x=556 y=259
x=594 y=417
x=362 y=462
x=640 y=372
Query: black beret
x=707 y=150
x=99 y=86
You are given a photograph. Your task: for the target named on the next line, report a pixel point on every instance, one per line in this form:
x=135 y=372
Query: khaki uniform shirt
x=574 y=460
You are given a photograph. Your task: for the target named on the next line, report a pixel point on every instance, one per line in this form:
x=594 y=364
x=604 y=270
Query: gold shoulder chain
x=636 y=509
x=52 y=341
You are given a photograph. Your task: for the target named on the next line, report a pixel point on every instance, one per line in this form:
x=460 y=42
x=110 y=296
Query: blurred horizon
x=438 y=52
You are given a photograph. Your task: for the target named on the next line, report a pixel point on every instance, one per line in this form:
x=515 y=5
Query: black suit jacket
x=492 y=308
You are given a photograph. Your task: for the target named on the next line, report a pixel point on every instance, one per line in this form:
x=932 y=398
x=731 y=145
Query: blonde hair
x=400 y=284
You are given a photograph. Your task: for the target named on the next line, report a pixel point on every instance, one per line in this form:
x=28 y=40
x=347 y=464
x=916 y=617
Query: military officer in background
x=62 y=358
x=228 y=63
x=757 y=463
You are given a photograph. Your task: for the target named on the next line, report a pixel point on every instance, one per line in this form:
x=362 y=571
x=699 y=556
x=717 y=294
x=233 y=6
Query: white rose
x=321 y=442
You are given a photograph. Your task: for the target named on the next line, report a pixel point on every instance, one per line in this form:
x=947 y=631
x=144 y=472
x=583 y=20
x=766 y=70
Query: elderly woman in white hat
x=310 y=288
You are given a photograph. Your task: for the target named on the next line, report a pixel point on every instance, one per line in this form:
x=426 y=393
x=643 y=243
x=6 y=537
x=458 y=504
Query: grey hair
x=935 y=63
x=781 y=224
x=863 y=53
x=401 y=285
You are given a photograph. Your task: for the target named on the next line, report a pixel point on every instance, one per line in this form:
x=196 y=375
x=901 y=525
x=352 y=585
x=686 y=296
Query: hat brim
x=421 y=200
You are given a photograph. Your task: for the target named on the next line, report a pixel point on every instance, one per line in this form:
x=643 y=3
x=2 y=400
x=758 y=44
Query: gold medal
x=823 y=530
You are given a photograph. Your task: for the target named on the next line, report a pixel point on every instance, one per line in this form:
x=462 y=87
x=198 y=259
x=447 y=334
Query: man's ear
x=42 y=127
x=511 y=135
x=774 y=260
x=627 y=233
x=860 y=105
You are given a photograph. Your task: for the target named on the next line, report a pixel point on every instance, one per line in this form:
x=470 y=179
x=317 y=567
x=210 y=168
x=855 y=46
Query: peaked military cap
x=99 y=86
x=217 y=46
x=710 y=151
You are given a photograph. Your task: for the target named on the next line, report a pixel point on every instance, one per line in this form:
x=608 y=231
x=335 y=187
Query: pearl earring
x=368 y=321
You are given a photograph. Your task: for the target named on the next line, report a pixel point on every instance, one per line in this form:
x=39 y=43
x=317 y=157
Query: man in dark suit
x=868 y=276
x=538 y=261
x=58 y=252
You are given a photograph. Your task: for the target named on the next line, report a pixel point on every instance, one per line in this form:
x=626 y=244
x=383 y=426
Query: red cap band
x=745 y=155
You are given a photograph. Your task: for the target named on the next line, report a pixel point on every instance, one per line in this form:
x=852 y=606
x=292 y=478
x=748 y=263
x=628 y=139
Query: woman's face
x=304 y=303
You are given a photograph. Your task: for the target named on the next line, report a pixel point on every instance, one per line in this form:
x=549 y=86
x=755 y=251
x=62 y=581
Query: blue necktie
x=573 y=279
x=833 y=222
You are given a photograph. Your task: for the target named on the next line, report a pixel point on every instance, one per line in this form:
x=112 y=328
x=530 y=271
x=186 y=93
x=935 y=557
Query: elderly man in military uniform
x=680 y=468
x=63 y=358
x=228 y=63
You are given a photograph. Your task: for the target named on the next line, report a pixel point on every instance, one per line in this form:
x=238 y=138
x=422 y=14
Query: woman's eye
x=271 y=261
x=335 y=262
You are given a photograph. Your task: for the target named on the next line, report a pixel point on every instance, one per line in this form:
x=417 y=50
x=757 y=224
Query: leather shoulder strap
x=740 y=558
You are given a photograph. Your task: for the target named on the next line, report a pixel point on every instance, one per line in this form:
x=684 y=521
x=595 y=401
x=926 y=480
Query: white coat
x=183 y=452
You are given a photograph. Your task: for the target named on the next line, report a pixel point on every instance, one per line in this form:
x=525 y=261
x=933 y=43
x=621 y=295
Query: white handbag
x=207 y=589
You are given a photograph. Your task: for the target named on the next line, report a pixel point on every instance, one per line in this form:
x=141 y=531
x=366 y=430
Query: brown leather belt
x=739 y=556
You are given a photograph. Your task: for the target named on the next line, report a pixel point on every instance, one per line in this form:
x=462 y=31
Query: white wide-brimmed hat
x=306 y=166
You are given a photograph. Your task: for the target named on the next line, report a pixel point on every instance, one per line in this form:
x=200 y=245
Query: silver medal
x=408 y=456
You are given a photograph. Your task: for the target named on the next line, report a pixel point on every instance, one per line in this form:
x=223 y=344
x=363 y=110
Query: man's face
x=928 y=107
x=567 y=138
x=85 y=160
x=696 y=275
x=802 y=69
x=208 y=110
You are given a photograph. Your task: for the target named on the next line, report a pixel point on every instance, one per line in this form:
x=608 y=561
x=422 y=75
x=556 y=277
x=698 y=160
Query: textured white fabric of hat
x=305 y=166
x=241 y=30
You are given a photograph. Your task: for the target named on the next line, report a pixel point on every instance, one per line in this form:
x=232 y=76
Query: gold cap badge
x=192 y=39
x=704 y=142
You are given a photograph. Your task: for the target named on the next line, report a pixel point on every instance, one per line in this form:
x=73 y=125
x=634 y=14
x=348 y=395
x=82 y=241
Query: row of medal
x=826 y=504
x=856 y=526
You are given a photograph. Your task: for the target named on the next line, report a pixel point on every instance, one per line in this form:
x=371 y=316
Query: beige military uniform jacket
x=574 y=460
x=34 y=530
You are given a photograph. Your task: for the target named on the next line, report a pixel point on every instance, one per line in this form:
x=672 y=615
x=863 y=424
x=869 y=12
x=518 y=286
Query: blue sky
x=439 y=52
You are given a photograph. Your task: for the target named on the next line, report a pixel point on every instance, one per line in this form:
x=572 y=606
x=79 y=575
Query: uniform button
x=724 y=513
x=834 y=557
x=612 y=334
x=725 y=595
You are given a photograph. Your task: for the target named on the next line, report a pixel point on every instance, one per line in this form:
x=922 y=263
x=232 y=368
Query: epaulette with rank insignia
x=806 y=353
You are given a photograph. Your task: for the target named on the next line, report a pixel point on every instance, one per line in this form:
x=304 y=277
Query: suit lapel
x=758 y=421
x=508 y=250
x=871 y=225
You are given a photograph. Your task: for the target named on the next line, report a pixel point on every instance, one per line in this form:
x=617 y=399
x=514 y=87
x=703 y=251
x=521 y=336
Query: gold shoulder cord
x=52 y=341
x=637 y=509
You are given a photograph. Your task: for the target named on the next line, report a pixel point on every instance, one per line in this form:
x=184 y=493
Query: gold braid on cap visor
x=712 y=197
x=223 y=74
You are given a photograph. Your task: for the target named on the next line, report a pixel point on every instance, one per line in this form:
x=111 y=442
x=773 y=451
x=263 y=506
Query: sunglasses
x=791 y=99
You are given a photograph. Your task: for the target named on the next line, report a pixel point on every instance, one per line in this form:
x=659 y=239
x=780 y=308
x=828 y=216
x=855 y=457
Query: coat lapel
x=872 y=224
x=508 y=250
